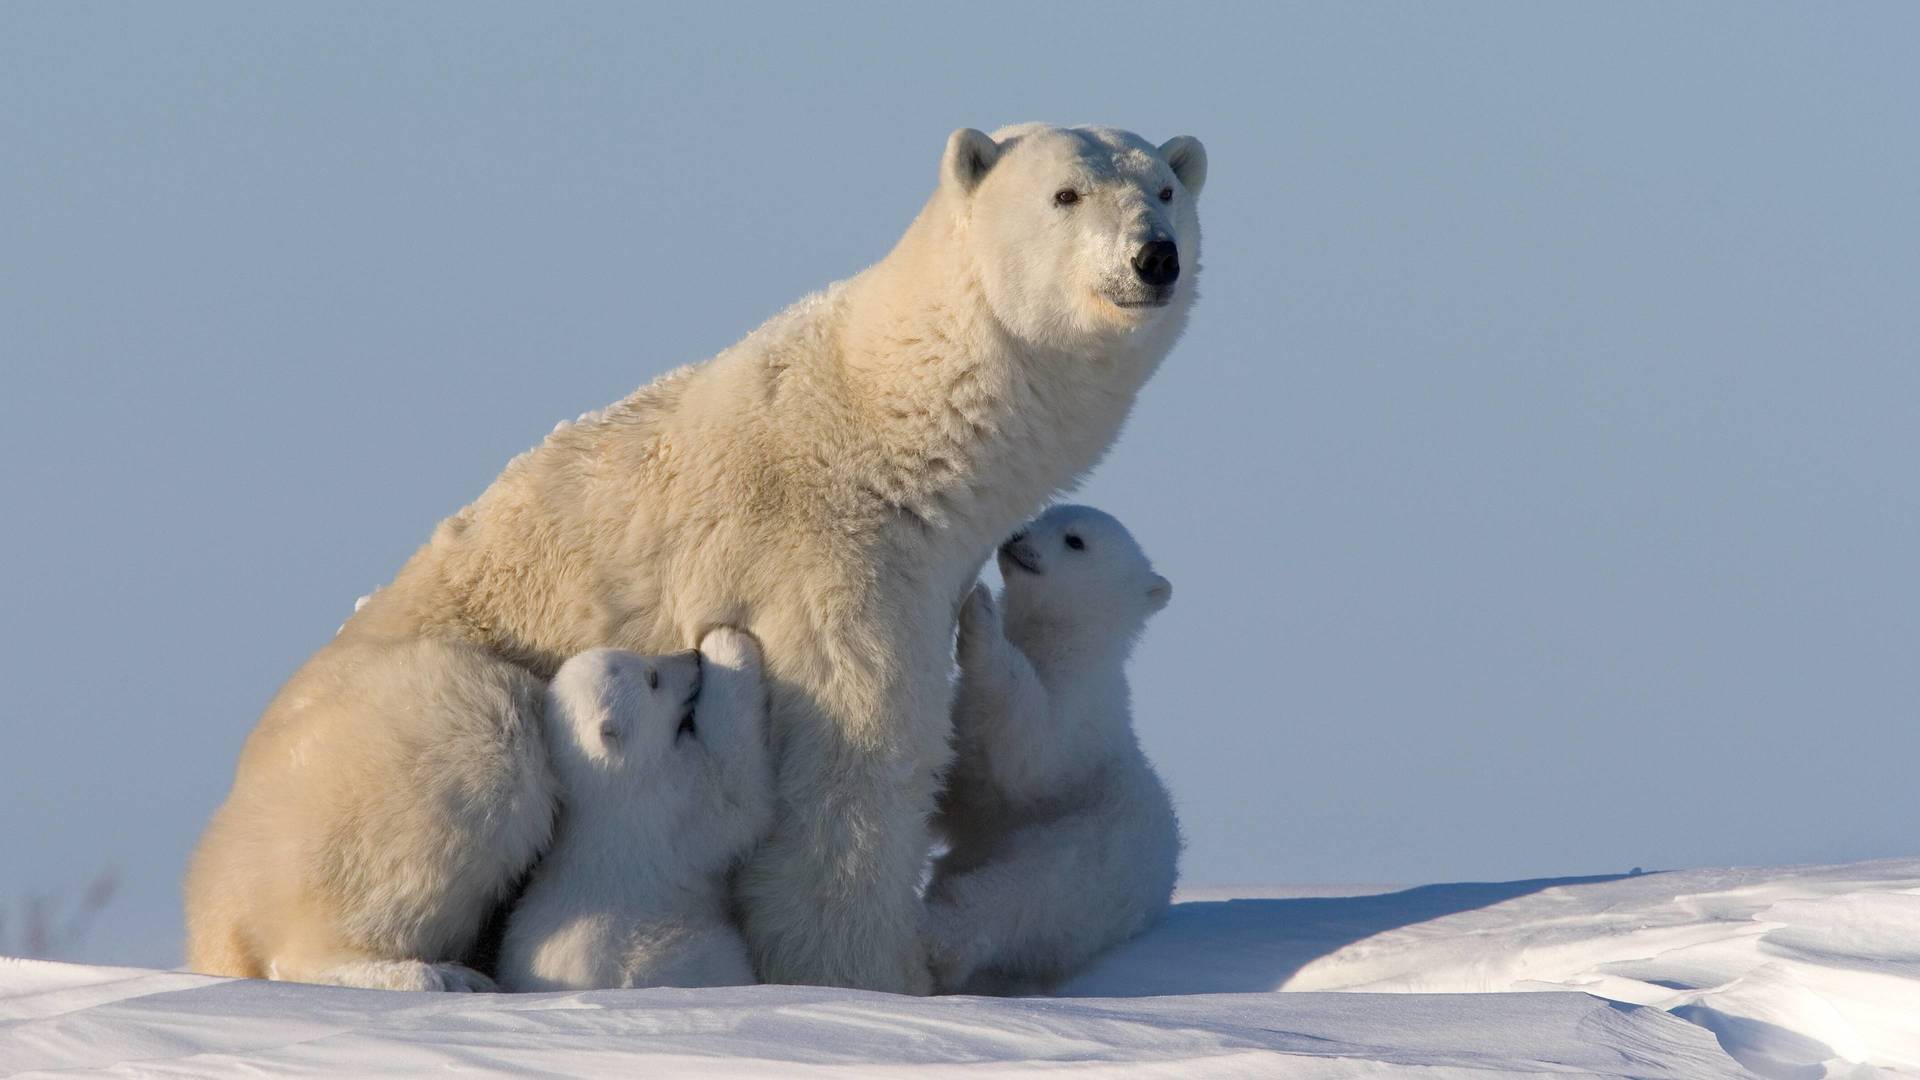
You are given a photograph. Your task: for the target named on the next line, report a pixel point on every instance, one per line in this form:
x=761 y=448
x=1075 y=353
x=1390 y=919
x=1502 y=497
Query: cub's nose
x=692 y=658
x=1158 y=263
x=1019 y=553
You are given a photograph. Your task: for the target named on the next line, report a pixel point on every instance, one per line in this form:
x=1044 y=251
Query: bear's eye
x=653 y=679
x=1076 y=543
x=1166 y=194
x=1066 y=197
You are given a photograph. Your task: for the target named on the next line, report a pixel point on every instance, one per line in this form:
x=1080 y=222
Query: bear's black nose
x=1158 y=263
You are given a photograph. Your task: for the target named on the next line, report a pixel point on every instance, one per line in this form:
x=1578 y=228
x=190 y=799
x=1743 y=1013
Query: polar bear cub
x=666 y=784
x=1063 y=841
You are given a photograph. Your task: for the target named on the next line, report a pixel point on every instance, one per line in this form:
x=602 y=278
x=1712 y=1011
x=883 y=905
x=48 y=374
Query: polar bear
x=665 y=785
x=1062 y=839
x=830 y=484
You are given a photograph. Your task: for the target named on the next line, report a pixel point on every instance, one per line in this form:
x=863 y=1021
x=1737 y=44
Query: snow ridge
x=1796 y=972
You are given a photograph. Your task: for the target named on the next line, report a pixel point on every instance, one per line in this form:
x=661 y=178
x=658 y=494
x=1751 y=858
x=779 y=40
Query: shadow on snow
x=1251 y=946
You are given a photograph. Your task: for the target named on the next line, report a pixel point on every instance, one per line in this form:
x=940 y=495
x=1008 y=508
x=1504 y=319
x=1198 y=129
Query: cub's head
x=1076 y=572
x=1077 y=231
x=611 y=712
x=671 y=749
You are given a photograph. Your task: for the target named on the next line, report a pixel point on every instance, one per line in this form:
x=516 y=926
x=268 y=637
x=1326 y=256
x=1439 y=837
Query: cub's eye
x=1166 y=194
x=653 y=679
x=1076 y=543
x=686 y=728
x=1066 y=197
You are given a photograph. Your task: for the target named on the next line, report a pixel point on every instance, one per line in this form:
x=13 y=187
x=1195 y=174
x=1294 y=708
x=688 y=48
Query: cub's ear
x=613 y=721
x=612 y=730
x=970 y=154
x=1159 y=592
x=1188 y=159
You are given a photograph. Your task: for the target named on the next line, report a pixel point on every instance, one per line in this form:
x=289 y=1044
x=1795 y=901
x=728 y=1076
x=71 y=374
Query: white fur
x=399 y=975
x=831 y=484
x=1063 y=841
x=634 y=891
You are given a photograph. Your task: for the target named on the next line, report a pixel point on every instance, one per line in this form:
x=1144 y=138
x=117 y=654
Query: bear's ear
x=1188 y=159
x=1161 y=590
x=970 y=154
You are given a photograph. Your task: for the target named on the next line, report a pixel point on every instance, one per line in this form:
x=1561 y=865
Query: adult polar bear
x=831 y=483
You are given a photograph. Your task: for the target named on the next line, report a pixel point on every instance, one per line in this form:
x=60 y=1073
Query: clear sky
x=1537 y=477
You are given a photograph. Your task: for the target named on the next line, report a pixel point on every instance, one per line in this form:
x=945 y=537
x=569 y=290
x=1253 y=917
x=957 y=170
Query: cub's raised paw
x=729 y=647
x=979 y=617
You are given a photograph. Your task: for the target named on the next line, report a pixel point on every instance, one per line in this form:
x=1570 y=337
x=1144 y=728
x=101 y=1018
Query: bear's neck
x=971 y=428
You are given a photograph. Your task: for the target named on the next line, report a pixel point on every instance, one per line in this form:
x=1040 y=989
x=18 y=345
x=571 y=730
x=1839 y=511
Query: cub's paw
x=979 y=619
x=947 y=962
x=461 y=979
x=728 y=647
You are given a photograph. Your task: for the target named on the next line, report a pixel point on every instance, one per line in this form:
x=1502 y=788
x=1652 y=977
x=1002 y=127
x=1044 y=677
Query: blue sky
x=1537 y=477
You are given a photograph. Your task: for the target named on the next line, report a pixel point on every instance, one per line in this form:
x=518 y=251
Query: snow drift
x=1796 y=972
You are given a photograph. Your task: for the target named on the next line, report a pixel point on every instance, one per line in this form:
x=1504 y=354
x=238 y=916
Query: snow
x=1786 y=972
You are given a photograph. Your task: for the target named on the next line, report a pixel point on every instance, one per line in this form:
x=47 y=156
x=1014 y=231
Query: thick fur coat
x=1063 y=841
x=830 y=484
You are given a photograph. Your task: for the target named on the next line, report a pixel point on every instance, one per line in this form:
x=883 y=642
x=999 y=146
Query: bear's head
x=1078 y=231
x=1077 y=573
x=669 y=750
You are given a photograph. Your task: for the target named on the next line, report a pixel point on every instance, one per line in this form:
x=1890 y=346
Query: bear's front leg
x=831 y=897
